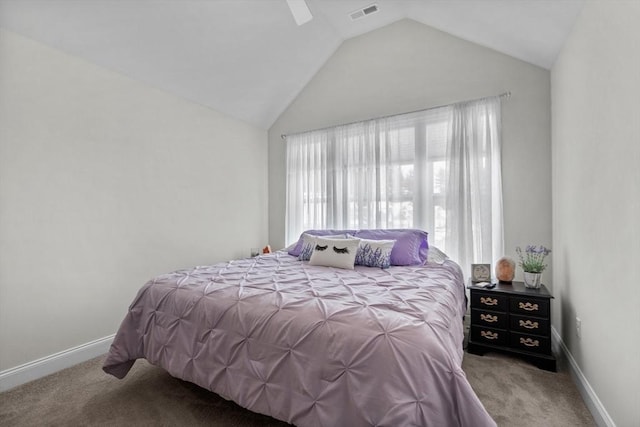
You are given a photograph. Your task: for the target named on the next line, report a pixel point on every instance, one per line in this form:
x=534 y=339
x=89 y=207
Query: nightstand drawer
x=491 y=319
x=533 y=343
x=489 y=301
x=530 y=306
x=492 y=336
x=529 y=325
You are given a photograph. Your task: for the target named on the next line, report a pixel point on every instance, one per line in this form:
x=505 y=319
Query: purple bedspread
x=313 y=346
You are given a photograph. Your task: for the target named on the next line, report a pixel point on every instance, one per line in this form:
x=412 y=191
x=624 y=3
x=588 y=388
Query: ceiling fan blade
x=300 y=11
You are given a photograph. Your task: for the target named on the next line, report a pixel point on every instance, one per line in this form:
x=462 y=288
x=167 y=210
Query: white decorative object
x=532 y=280
x=480 y=272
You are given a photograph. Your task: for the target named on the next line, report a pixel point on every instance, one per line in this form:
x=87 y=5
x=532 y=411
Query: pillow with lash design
x=339 y=253
x=309 y=242
x=297 y=247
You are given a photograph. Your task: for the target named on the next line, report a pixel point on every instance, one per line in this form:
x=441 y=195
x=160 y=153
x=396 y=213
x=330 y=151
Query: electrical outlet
x=578 y=327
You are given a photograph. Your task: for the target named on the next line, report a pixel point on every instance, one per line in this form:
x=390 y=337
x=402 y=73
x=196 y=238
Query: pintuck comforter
x=313 y=346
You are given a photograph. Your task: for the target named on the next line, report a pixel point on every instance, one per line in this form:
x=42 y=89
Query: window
x=437 y=170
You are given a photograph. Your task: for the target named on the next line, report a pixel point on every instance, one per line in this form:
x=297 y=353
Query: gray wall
x=104 y=183
x=407 y=66
x=596 y=201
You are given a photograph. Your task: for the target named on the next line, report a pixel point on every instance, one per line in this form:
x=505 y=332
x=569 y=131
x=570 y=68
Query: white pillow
x=339 y=253
x=375 y=253
x=435 y=255
x=309 y=242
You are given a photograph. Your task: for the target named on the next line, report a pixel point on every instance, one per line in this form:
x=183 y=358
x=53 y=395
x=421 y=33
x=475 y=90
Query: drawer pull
x=529 y=342
x=529 y=324
x=489 y=318
x=489 y=335
x=488 y=301
x=528 y=306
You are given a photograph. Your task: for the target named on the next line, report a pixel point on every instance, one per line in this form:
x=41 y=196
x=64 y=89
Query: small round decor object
x=505 y=269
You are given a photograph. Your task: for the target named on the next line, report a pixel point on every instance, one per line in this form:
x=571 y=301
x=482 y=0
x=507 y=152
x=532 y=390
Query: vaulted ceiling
x=248 y=58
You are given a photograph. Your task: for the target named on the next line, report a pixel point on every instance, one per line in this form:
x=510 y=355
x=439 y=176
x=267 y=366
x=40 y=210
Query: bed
x=309 y=344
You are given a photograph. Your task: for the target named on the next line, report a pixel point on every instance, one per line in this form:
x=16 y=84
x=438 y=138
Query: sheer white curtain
x=437 y=170
x=474 y=222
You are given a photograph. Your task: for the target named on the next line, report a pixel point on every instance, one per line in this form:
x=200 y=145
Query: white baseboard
x=48 y=365
x=595 y=406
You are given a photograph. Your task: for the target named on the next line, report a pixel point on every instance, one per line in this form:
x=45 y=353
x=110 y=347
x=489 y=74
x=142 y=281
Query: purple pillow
x=411 y=246
x=298 y=247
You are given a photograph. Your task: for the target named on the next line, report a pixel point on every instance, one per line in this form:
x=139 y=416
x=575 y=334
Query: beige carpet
x=517 y=393
x=514 y=392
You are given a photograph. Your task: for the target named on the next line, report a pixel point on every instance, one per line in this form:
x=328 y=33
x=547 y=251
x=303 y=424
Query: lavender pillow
x=298 y=247
x=411 y=247
x=375 y=253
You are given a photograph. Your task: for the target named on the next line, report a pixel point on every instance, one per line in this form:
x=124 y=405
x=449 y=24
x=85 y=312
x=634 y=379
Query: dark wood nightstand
x=515 y=319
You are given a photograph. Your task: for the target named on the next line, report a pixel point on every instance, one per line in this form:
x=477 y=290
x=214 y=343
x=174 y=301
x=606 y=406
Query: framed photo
x=480 y=273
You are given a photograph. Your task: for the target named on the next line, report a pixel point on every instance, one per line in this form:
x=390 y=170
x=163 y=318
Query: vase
x=532 y=280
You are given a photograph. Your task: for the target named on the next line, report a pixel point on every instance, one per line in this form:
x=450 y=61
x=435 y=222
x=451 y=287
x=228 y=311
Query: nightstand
x=514 y=319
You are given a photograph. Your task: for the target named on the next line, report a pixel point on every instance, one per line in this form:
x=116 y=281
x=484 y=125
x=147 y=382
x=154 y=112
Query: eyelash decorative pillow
x=339 y=253
x=297 y=248
x=309 y=243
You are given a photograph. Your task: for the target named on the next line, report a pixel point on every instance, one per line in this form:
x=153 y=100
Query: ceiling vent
x=361 y=13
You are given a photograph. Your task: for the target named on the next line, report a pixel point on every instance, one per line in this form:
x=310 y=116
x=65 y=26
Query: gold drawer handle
x=488 y=301
x=489 y=318
x=489 y=335
x=528 y=306
x=529 y=324
x=529 y=342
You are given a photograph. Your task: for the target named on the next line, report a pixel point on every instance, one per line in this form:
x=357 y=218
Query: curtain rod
x=505 y=95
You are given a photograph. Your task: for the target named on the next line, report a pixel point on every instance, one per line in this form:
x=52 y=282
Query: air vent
x=361 y=13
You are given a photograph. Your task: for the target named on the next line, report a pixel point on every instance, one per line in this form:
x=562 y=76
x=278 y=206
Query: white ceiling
x=248 y=58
